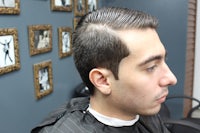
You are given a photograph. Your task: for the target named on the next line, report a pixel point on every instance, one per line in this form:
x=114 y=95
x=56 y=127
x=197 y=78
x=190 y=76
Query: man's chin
x=152 y=111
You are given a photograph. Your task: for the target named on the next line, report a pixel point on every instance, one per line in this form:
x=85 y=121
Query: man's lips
x=162 y=98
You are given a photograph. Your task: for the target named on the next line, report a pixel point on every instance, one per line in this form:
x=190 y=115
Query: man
x=121 y=60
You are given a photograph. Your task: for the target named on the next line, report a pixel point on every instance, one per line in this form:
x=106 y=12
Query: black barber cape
x=73 y=117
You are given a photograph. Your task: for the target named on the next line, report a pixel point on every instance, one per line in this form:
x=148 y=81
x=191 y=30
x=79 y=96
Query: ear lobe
x=99 y=77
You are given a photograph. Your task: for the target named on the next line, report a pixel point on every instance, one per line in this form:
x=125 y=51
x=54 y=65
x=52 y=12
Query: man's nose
x=168 y=78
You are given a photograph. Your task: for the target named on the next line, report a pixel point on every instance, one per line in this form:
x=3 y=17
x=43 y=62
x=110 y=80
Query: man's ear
x=100 y=79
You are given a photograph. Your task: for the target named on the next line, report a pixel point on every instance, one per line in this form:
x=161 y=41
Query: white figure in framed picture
x=65 y=42
x=7 y=52
x=44 y=79
x=43 y=41
x=62 y=2
x=79 y=6
x=7 y=3
x=92 y=5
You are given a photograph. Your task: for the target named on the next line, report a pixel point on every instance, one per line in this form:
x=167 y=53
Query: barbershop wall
x=20 y=110
x=172 y=17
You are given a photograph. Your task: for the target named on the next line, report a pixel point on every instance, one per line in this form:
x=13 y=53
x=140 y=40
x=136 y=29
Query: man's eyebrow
x=152 y=58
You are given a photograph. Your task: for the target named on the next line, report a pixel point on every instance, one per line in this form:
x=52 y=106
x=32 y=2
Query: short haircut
x=96 y=44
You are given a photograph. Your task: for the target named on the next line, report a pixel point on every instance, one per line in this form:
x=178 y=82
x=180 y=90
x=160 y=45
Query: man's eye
x=151 y=69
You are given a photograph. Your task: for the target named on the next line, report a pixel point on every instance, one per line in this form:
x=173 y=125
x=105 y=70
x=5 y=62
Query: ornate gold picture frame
x=9 y=6
x=64 y=41
x=79 y=7
x=43 y=79
x=40 y=39
x=91 y=5
x=75 y=22
x=9 y=51
x=61 y=5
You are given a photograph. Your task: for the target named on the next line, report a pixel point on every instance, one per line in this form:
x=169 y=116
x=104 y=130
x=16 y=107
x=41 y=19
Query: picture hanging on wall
x=76 y=20
x=91 y=5
x=9 y=6
x=65 y=41
x=79 y=7
x=9 y=51
x=61 y=5
x=43 y=79
x=40 y=39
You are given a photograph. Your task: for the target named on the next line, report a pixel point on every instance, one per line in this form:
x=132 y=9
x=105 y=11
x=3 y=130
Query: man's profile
x=121 y=60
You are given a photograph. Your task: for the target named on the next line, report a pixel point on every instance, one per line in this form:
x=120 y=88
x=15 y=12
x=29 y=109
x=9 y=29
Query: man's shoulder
x=63 y=112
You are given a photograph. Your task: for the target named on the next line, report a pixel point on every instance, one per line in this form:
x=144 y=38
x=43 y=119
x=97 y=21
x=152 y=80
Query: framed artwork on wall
x=91 y=5
x=9 y=6
x=75 y=21
x=9 y=51
x=61 y=5
x=79 y=7
x=40 y=39
x=43 y=79
x=64 y=41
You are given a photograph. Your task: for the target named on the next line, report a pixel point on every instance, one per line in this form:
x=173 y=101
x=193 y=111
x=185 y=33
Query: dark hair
x=96 y=44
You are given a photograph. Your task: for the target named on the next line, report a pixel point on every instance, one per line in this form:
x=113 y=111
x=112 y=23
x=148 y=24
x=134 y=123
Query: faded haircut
x=96 y=44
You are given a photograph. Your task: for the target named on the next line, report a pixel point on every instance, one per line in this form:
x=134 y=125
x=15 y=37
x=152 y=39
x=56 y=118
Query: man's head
x=118 y=52
x=96 y=44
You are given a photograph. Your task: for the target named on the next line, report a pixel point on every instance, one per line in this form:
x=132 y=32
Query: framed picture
x=91 y=5
x=9 y=6
x=61 y=5
x=65 y=41
x=40 y=39
x=43 y=79
x=9 y=51
x=76 y=20
x=79 y=7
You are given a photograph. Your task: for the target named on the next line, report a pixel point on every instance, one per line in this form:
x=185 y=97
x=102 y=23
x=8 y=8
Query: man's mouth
x=162 y=98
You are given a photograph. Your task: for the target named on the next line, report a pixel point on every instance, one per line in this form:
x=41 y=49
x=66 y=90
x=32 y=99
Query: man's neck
x=103 y=106
x=110 y=121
